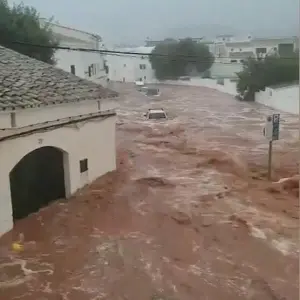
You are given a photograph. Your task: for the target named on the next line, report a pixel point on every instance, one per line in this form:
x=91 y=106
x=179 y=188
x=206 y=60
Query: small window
x=142 y=67
x=83 y=165
x=90 y=71
x=73 y=69
x=145 y=77
x=124 y=65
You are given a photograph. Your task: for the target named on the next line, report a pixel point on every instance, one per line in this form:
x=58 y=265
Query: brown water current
x=188 y=214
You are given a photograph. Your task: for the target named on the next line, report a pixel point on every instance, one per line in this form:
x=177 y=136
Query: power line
x=116 y=53
x=124 y=53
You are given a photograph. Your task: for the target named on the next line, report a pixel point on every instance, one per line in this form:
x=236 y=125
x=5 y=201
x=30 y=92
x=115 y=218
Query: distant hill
x=209 y=31
x=273 y=32
x=138 y=37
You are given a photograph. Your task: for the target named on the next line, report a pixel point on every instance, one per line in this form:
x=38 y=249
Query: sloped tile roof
x=26 y=82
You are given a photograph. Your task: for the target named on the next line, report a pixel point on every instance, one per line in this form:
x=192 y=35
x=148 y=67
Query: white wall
x=284 y=99
x=73 y=38
x=31 y=116
x=98 y=138
x=70 y=32
x=81 y=61
x=224 y=69
x=5 y=121
x=229 y=87
x=128 y=67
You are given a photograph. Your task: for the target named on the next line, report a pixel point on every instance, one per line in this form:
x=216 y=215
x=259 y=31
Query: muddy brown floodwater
x=187 y=215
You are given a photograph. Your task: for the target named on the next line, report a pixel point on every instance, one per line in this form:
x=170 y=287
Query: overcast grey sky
x=134 y=20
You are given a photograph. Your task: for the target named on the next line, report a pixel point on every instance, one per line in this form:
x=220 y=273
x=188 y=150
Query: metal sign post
x=271 y=132
x=270 y=160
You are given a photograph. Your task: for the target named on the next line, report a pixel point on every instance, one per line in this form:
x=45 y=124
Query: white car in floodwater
x=156 y=114
x=149 y=91
x=139 y=85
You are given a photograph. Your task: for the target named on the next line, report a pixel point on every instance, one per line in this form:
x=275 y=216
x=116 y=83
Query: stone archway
x=36 y=180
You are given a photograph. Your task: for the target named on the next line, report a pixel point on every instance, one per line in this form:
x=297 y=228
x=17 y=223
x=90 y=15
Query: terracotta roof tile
x=26 y=82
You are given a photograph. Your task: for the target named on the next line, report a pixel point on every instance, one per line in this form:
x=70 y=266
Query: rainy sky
x=131 y=21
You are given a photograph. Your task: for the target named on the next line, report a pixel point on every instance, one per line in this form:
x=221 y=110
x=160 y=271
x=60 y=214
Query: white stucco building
x=57 y=134
x=130 y=68
x=260 y=47
x=230 y=51
x=88 y=65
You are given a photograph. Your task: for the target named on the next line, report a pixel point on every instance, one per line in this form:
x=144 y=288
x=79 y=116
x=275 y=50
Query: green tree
x=172 y=59
x=21 y=23
x=257 y=74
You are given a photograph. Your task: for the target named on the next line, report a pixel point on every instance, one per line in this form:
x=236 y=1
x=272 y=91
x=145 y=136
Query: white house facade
x=230 y=52
x=130 y=68
x=57 y=134
x=87 y=65
x=261 y=47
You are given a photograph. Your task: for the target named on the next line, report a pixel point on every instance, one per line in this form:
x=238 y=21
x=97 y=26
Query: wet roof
x=26 y=82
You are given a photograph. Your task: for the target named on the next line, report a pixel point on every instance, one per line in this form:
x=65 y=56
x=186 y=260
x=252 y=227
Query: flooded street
x=188 y=214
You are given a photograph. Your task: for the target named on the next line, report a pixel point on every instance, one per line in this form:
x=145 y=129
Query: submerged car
x=156 y=114
x=139 y=85
x=152 y=92
x=149 y=91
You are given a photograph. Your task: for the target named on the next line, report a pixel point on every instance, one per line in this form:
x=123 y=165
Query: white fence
x=285 y=99
x=227 y=85
x=225 y=70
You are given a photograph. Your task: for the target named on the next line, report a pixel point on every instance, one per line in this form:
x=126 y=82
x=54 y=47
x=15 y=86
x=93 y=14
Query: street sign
x=271 y=132
x=275 y=121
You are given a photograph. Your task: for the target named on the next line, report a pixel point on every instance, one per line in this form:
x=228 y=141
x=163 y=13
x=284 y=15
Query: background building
x=229 y=51
x=133 y=67
x=87 y=65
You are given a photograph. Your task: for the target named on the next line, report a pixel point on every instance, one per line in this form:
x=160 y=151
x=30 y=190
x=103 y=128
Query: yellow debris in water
x=17 y=247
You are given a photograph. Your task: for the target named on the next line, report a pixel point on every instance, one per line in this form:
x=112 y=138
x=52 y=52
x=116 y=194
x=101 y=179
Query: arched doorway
x=36 y=180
